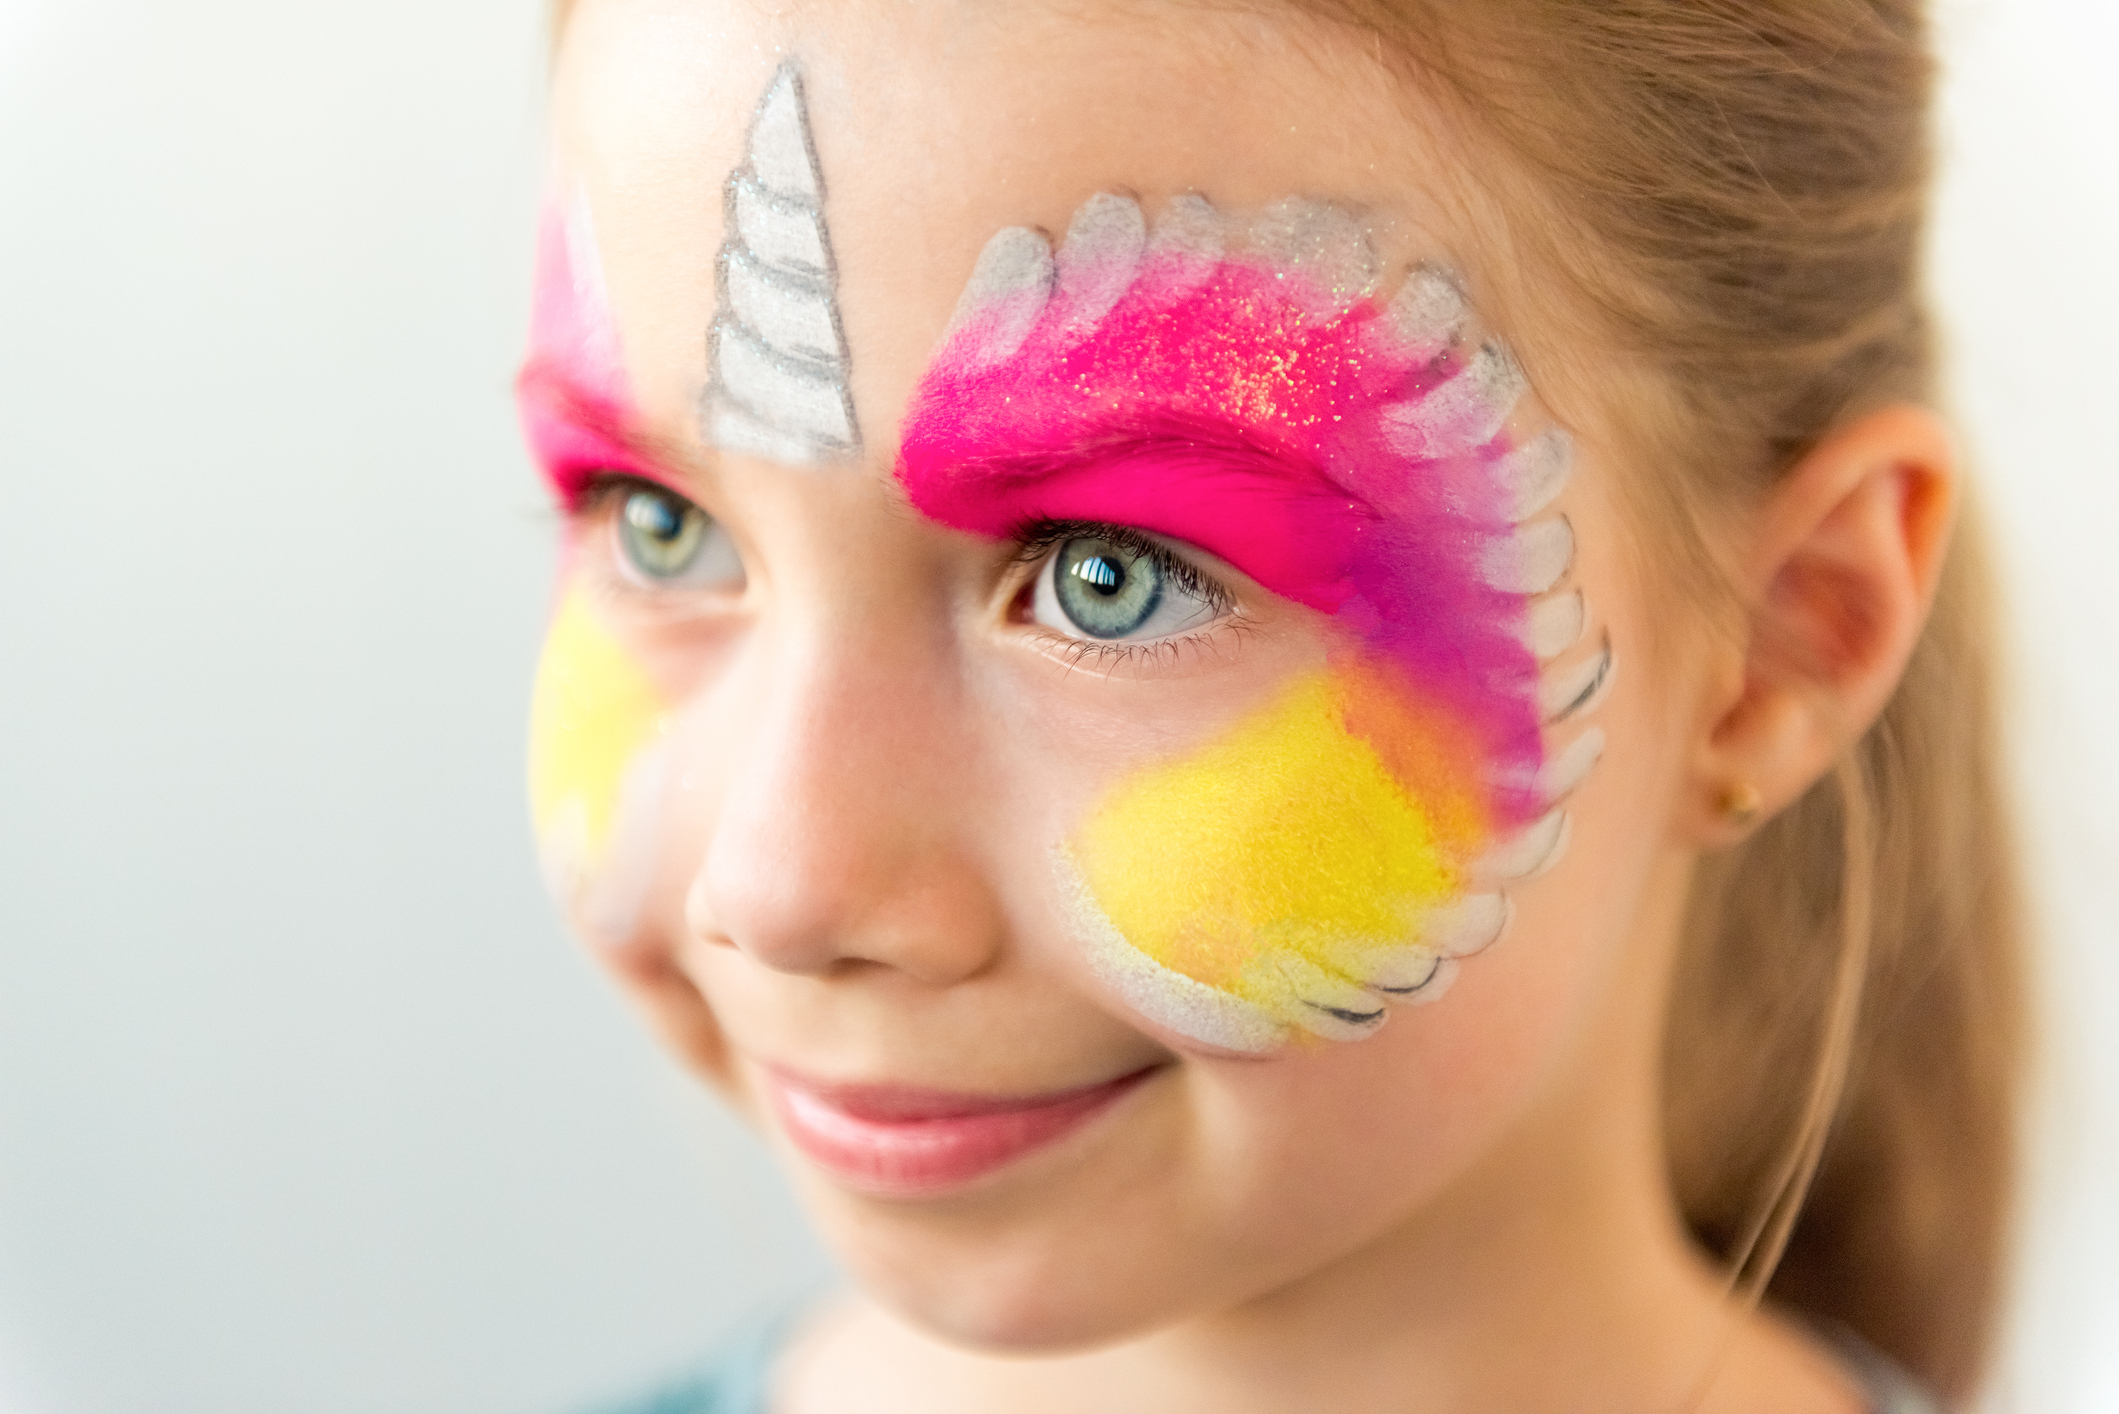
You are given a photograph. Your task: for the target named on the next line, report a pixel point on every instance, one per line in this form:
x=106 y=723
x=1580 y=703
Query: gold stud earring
x=1741 y=803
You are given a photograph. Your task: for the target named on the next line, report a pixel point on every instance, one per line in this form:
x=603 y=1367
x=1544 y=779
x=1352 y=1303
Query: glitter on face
x=1231 y=405
x=1239 y=387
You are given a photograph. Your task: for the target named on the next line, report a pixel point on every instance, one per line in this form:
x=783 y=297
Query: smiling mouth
x=902 y=1142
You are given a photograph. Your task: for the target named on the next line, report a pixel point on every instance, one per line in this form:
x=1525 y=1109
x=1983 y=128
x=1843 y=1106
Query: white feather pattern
x=1575 y=689
x=1427 y=314
x=1527 y=853
x=1006 y=294
x=1570 y=766
x=1464 y=412
x=1532 y=560
x=1099 y=258
x=1325 y=244
x=1534 y=474
x=1553 y=625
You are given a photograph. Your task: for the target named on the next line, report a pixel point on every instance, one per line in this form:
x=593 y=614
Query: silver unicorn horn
x=778 y=386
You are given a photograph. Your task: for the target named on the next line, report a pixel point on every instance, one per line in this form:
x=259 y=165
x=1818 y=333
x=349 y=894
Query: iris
x=660 y=534
x=1106 y=589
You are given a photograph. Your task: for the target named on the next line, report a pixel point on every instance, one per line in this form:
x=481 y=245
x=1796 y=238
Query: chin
x=1012 y=1313
x=1046 y=1292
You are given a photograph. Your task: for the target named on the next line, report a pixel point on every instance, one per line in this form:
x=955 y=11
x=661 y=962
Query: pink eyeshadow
x=1216 y=407
x=572 y=394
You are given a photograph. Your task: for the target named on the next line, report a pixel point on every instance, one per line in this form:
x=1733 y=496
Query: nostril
x=789 y=918
x=700 y=922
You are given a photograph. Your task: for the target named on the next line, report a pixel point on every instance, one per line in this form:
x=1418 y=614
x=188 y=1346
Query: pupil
x=656 y=517
x=1105 y=589
x=660 y=533
x=1100 y=574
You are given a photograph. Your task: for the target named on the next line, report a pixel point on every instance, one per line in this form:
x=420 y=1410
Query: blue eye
x=665 y=539
x=1120 y=586
x=1106 y=591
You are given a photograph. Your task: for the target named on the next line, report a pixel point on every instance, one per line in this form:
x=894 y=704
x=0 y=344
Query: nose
x=847 y=818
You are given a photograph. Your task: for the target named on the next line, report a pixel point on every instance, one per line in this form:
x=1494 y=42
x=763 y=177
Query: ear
x=1837 y=581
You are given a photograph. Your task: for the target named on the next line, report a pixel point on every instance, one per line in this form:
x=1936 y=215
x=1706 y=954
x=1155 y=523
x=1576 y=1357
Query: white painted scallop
x=1427 y=314
x=1527 y=853
x=1006 y=295
x=1324 y=244
x=1099 y=259
x=1571 y=764
x=1576 y=688
x=1554 y=624
x=1436 y=987
x=1533 y=474
x=1470 y=925
x=1464 y=412
x=1533 y=560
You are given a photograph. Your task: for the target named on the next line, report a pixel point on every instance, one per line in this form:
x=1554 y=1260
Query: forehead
x=937 y=125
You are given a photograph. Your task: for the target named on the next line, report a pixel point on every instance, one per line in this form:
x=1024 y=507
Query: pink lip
x=898 y=1141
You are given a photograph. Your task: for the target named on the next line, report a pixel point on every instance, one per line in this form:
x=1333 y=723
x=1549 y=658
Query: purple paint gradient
x=1211 y=404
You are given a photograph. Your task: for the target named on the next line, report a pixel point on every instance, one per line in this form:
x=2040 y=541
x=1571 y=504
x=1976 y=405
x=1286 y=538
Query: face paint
x=572 y=393
x=1239 y=387
x=1279 y=909
x=778 y=387
x=595 y=761
x=596 y=773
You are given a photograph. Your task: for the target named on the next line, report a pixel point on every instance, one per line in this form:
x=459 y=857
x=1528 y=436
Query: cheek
x=1342 y=1142
x=1271 y=882
x=596 y=773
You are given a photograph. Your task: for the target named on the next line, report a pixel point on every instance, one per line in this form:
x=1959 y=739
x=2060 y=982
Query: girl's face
x=1072 y=620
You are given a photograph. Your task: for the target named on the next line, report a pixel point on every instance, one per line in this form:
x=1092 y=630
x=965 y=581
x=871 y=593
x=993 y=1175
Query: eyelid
x=600 y=484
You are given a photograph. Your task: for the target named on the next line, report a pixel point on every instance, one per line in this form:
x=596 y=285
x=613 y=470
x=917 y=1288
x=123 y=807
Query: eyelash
x=598 y=489
x=1037 y=540
x=593 y=505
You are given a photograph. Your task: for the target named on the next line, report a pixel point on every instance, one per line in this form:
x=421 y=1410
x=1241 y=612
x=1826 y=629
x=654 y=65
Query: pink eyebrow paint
x=1252 y=409
x=572 y=393
x=1235 y=384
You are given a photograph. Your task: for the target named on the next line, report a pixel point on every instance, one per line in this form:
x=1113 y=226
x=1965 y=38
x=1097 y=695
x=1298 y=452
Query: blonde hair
x=1742 y=187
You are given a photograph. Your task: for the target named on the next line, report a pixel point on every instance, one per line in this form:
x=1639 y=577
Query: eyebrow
x=578 y=435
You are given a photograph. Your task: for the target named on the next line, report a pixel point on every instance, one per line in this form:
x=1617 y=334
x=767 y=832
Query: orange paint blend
x=1239 y=387
x=1321 y=857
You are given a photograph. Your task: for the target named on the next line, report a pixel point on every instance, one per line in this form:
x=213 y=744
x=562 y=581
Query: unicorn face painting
x=1081 y=687
x=1239 y=385
x=1239 y=382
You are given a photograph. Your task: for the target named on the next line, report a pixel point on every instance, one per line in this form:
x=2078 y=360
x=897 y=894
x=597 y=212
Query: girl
x=1294 y=691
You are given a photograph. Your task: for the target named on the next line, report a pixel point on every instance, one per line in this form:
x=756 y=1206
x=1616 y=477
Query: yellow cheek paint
x=1280 y=877
x=596 y=772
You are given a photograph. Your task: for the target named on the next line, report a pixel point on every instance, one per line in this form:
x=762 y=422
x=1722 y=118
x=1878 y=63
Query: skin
x=871 y=751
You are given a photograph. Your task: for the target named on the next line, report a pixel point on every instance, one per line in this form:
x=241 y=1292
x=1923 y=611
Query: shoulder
x=736 y=1379
x=1788 y=1360
x=1890 y=1390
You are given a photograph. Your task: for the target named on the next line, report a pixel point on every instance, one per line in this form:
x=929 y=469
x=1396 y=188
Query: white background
x=305 y=1103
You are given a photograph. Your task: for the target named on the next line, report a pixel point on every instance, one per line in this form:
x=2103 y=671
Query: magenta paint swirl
x=1241 y=408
